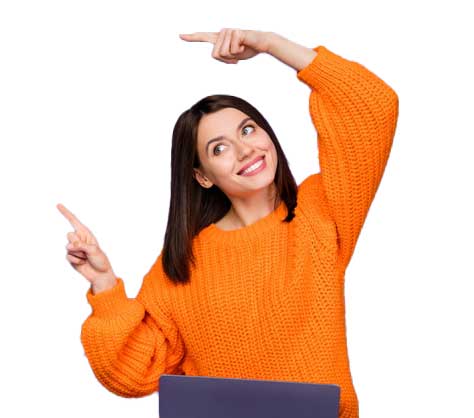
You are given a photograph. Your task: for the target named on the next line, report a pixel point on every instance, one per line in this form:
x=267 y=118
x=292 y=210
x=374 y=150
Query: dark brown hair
x=193 y=207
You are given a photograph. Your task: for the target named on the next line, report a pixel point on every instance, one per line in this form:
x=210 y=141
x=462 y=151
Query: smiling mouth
x=256 y=162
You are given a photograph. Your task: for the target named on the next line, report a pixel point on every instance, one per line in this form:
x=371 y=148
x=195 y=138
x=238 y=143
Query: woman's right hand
x=86 y=256
x=232 y=45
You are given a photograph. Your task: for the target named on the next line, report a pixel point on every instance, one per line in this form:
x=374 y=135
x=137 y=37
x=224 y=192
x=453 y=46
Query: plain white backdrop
x=89 y=94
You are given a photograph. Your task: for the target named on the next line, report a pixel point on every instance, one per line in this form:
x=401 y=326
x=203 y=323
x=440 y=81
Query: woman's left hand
x=232 y=45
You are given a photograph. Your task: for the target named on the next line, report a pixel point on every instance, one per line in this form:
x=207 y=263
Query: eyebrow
x=218 y=138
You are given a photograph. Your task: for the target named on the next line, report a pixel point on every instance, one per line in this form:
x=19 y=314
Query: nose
x=243 y=149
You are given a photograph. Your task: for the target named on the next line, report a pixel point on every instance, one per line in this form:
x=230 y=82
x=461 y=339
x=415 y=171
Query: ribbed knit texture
x=265 y=301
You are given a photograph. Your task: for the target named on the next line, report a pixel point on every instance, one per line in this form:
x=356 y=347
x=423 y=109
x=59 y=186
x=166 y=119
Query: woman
x=250 y=281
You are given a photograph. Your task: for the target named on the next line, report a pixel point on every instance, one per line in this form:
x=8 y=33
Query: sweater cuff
x=109 y=302
x=324 y=67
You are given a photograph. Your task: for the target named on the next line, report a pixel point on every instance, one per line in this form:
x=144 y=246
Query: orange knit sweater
x=265 y=301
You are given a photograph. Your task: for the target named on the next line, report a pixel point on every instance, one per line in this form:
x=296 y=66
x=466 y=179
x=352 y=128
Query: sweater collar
x=249 y=232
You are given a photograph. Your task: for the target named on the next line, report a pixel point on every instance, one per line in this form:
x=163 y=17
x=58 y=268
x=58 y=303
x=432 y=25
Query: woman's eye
x=214 y=150
x=248 y=126
x=218 y=145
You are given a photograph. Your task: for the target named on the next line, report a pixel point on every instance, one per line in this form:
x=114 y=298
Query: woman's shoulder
x=314 y=209
x=155 y=280
x=312 y=197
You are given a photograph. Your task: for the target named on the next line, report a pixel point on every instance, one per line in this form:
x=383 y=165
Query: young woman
x=250 y=281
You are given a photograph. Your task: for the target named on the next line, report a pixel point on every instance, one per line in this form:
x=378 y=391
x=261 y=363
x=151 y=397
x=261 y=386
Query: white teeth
x=253 y=167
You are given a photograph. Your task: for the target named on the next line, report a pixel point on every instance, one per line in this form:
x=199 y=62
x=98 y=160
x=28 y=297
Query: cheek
x=273 y=153
x=265 y=143
x=223 y=165
x=275 y=159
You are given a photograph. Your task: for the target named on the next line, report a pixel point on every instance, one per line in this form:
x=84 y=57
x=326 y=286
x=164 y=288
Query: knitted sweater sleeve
x=355 y=115
x=130 y=342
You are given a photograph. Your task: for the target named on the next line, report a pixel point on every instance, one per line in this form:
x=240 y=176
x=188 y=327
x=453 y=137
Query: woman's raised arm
x=355 y=114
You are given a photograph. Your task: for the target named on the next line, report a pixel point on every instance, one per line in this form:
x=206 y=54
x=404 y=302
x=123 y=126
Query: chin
x=260 y=184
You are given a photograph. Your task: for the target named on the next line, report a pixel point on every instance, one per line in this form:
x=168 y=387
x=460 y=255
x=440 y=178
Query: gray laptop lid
x=217 y=397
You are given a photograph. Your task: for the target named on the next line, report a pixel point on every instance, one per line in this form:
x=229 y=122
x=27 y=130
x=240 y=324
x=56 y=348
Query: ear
x=202 y=179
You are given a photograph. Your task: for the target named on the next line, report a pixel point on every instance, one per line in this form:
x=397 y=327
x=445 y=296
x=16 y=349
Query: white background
x=89 y=94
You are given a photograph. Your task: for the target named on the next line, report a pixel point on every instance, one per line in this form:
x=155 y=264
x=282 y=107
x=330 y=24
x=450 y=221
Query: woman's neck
x=236 y=219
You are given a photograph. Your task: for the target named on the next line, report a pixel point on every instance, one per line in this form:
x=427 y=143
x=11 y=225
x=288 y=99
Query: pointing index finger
x=199 y=37
x=70 y=216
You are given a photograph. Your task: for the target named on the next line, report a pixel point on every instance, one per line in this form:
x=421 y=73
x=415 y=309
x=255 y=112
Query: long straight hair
x=193 y=207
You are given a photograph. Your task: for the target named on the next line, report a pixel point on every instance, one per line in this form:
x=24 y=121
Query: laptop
x=182 y=396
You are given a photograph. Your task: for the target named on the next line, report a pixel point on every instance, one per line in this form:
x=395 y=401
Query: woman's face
x=240 y=142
